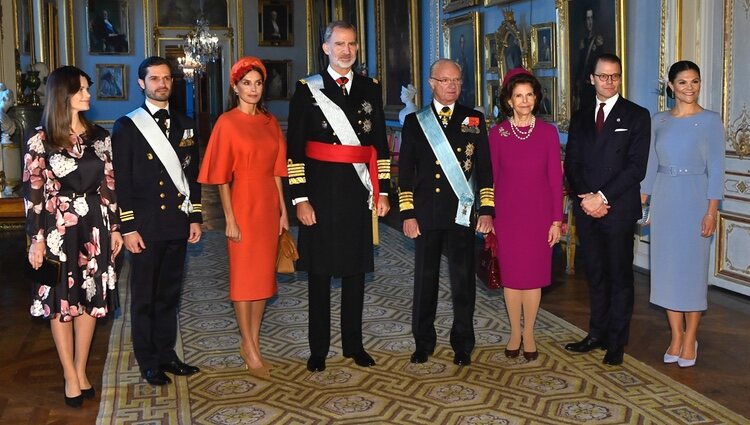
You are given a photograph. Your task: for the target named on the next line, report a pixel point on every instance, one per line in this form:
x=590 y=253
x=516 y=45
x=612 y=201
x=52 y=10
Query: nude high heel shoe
x=260 y=372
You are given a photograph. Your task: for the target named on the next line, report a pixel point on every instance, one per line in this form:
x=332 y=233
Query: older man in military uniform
x=444 y=150
x=156 y=161
x=339 y=169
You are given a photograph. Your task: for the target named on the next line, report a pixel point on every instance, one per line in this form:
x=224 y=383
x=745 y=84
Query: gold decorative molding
x=727 y=85
x=733 y=248
x=739 y=133
x=663 y=53
x=737 y=186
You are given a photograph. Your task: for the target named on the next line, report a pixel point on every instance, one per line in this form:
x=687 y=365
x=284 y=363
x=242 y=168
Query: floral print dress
x=70 y=202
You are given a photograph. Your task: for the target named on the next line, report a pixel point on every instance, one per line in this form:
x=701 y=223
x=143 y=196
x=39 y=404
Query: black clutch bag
x=47 y=274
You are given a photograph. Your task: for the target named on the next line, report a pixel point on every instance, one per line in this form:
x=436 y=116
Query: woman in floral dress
x=69 y=192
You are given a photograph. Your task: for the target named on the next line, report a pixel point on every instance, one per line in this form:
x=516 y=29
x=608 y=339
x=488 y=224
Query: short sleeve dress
x=528 y=198
x=685 y=170
x=249 y=152
x=70 y=200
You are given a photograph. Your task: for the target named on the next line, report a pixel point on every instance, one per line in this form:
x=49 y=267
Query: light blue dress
x=685 y=170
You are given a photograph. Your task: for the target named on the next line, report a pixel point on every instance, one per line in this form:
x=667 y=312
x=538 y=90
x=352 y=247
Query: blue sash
x=448 y=161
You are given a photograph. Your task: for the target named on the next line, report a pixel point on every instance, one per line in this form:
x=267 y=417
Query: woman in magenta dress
x=526 y=168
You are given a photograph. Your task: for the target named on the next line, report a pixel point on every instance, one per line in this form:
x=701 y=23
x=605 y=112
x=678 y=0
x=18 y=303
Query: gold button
x=161 y=182
x=179 y=195
x=162 y=196
x=437 y=190
x=150 y=156
x=437 y=176
x=163 y=207
x=458 y=149
x=437 y=162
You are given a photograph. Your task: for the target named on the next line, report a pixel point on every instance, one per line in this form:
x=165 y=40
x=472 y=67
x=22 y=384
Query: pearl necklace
x=521 y=135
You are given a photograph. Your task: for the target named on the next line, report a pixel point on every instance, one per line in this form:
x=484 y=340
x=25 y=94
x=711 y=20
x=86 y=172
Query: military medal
x=469 y=149
x=324 y=124
x=367 y=126
x=367 y=107
x=186 y=162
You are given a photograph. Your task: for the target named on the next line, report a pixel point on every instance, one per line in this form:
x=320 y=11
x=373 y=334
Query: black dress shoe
x=462 y=358
x=419 y=356
x=585 y=345
x=176 y=367
x=75 y=402
x=156 y=377
x=614 y=356
x=89 y=393
x=316 y=364
x=362 y=359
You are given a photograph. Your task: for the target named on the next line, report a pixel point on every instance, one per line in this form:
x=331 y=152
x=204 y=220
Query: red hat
x=243 y=66
x=513 y=72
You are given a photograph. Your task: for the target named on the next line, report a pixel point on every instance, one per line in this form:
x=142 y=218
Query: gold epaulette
x=296 y=172
x=487 y=197
x=384 y=169
x=127 y=215
x=302 y=80
x=405 y=201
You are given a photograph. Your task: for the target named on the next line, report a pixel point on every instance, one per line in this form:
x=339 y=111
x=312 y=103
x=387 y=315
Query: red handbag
x=488 y=262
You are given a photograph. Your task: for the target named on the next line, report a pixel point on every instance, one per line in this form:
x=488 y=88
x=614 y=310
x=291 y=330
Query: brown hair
x=62 y=84
x=507 y=91
x=234 y=97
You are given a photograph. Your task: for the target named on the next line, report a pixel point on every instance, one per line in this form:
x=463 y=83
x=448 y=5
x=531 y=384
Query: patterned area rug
x=558 y=388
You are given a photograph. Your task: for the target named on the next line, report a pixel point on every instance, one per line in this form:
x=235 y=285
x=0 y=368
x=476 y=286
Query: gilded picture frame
x=182 y=14
x=496 y=2
x=453 y=5
x=543 y=45
x=111 y=82
x=491 y=64
x=318 y=17
x=513 y=48
x=397 y=51
x=353 y=11
x=275 y=23
x=461 y=42
x=732 y=252
x=279 y=81
x=547 y=104
x=608 y=22
x=108 y=23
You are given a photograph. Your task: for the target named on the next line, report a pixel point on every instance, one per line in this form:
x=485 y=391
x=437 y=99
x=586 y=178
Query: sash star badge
x=467 y=165
x=469 y=149
x=367 y=126
x=367 y=107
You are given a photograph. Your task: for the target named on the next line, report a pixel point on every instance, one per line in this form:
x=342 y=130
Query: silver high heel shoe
x=689 y=362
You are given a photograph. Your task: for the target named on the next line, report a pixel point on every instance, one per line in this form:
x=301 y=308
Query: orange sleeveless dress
x=249 y=151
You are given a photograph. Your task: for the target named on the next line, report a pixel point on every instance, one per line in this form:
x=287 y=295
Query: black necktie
x=600 y=118
x=162 y=115
x=342 y=83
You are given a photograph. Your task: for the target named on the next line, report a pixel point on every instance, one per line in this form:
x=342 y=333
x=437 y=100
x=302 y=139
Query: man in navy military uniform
x=336 y=128
x=156 y=162
x=432 y=213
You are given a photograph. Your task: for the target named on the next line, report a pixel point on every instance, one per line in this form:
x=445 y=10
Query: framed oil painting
x=543 y=45
x=549 y=98
x=279 y=79
x=453 y=5
x=493 y=114
x=111 y=82
x=183 y=13
x=398 y=51
x=108 y=27
x=318 y=16
x=587 y=28
x=275 y=23
x=461 y=43
x=491 y=64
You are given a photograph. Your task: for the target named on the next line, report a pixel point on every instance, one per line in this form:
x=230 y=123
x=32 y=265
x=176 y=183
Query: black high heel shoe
x=75 y=402
x=512 y=354
x=88 y=393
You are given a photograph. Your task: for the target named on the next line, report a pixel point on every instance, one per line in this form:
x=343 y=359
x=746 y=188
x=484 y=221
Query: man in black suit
x=605 y=161
x=156 y=162
x=430 y=207
x=336 y=128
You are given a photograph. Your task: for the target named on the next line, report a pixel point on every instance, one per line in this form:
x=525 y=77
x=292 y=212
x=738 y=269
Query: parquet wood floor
x=31 y=384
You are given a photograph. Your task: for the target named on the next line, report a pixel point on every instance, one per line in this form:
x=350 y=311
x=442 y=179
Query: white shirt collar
x=439 y=106
x=153 y=108
x=335 y=75
x=608 y=105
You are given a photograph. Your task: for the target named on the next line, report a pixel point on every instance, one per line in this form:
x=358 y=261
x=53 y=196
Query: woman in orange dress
x=246 y=157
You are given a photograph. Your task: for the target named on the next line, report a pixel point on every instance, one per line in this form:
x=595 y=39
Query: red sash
x=348 y=155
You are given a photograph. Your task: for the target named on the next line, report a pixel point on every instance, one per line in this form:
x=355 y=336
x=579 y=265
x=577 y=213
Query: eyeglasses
x=447 y=81
x=608 y=77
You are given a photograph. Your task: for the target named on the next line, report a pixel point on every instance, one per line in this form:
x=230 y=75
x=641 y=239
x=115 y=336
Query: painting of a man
x=107 y=27
x=595 y=24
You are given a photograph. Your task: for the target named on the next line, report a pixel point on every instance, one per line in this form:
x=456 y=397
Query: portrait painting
x=318 y=16
x=513 y=48
x=493 y=114
x=593 y=30
x=111 y=82
x=453 y=5
x=543 y=45
x=275 y=23
x=108 y=27
x=184 y=13
x=491 y=63
x=278 y=79
x=547 y=110
x=23 y=26
x=398 y=51
x=461 y=43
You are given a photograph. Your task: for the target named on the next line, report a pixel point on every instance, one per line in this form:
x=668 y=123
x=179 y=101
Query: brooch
x=367 y=107
x=367 y=126
x=469 y=149
x=503 y=132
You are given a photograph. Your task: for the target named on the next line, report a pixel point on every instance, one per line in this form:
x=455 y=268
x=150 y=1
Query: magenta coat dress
x=528 y=198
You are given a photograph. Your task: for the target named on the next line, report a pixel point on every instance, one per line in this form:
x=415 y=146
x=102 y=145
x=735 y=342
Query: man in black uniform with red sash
x=339 y=169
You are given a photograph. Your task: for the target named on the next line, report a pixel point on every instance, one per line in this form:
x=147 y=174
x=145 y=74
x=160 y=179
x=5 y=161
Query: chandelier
x=200 y=48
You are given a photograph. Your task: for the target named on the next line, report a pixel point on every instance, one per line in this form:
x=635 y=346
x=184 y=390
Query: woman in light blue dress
x=685 y=180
